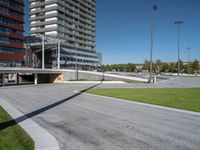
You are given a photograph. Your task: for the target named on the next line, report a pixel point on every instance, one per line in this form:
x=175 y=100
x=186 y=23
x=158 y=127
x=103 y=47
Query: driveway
x=83 y=122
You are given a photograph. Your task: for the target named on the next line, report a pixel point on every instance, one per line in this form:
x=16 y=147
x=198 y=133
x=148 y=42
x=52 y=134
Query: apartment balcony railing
x=38 y=4
x=75 y=22
x=83 y=8
x=41 y=30
x=38 y=24
x=13 y=35
x=12 y=8
x=85 y=4
x=74 y=55
x=75 y=10
x=80 y=47
x=43 y=17
x=38 y=10
x=88 y=55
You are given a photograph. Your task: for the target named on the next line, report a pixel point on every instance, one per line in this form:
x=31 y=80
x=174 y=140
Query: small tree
x=173 y=67
x=107 y=67
x=158 y=66
x=181 y=65
x=195 y=66
x=131 y=67
x=146 y=65
x=165 y=67
x=103 y=67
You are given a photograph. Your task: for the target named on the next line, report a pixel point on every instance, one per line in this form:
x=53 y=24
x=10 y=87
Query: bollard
x=35 y=78
x=154 y=79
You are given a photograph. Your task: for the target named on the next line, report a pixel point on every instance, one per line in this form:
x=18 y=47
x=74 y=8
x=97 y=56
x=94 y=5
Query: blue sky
x=123 y=29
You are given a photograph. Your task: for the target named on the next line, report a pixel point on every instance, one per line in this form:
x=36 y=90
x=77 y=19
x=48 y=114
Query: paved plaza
x=85 y=122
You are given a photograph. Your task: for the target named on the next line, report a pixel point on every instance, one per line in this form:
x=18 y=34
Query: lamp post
x=189 y=48
x=43 y=53
x=154 y=9
x=178 y=23
x=58 y=58
x=76 y=66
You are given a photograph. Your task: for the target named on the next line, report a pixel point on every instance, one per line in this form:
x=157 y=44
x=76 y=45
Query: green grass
x=182 y=98
x=13 y=137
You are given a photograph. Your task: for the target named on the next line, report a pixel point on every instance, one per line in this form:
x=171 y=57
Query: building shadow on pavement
x=12 y=122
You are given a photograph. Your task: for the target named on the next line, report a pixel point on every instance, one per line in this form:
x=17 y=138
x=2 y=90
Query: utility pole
x=178 y=23
x=189 y=48
x=154 y=9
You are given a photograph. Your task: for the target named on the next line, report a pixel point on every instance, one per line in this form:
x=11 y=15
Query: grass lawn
x=182 y=98
x=13 y=137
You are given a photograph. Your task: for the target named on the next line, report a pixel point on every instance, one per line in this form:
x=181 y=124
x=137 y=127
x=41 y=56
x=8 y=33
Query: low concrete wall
x=71 y=76
x=83 y=75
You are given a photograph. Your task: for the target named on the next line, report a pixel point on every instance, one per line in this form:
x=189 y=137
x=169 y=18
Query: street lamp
x=154 y=9
x=189 y=48
x=76 y=65
x=178 y=23
x=58 y=57
x=43 y=53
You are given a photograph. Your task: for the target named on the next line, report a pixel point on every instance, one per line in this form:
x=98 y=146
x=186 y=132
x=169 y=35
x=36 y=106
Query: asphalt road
x=83 y=122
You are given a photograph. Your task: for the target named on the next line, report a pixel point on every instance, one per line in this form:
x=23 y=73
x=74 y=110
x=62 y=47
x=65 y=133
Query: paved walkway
x=185 y=82
x=82 y=122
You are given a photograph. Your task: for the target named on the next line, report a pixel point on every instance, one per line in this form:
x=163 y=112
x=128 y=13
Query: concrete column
x=17 y=78
x=155 y=79
x=2 y=79
x=35 y=78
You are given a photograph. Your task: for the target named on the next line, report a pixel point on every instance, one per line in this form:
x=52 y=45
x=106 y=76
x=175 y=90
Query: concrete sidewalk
x=43 y=140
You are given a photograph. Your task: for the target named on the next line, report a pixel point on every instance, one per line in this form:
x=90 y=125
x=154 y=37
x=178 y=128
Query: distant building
x=138 y=66
x=99 y=56
x=11 y=33
x=71 y=21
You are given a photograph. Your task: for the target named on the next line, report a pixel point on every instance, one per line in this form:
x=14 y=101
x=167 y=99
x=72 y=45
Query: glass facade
x=11 y=33
x=13 y=4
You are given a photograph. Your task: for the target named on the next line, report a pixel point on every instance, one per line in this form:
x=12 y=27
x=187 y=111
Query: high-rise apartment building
x=11 y=33
x=73 y=21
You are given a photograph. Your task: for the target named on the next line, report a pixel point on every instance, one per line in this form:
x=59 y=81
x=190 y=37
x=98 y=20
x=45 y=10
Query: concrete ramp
x=97 y=76
x=119 y=76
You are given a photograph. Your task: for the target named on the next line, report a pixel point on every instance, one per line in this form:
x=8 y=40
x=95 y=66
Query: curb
x=43 y=139
x=91 y=82
x=145 y=104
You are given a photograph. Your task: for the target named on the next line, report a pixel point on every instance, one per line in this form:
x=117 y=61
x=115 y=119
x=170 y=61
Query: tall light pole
x=189 y=48
x=76 y=65
x=154 y=9
x=58 y=57
x=43 y=53
x=178 y=23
